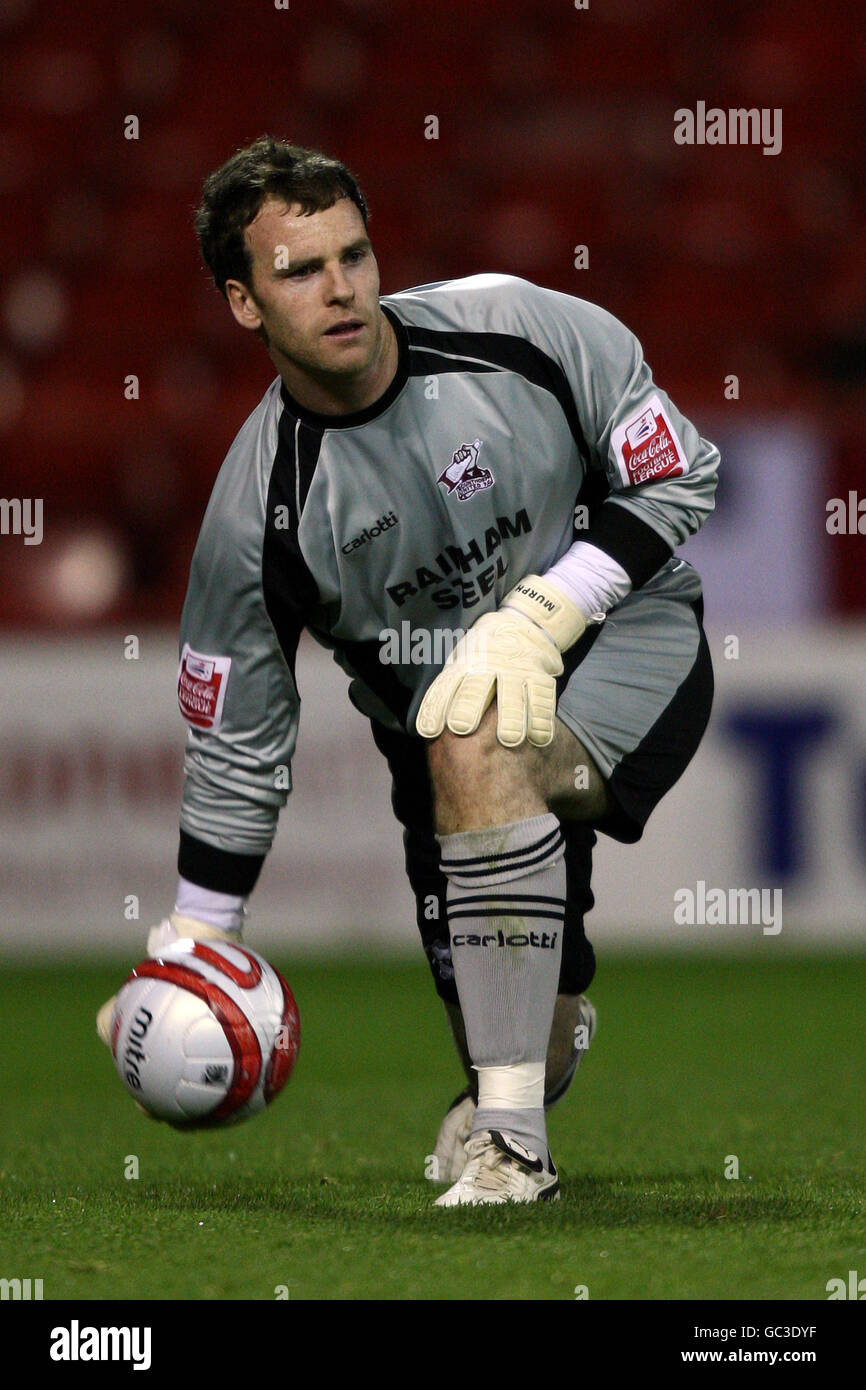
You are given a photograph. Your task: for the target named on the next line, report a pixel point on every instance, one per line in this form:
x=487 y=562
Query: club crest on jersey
x=647 y=447
x=464 y=474
x=201 y=687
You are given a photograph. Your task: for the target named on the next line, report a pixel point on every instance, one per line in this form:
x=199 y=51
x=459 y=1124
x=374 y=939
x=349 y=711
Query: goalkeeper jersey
x=519 y=420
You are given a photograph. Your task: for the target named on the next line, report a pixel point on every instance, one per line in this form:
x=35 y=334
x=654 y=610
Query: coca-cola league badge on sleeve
x=201 y=687
x=647 y=447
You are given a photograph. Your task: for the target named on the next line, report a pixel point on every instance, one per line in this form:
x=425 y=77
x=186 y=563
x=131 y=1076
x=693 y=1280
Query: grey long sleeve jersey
x=516 y=412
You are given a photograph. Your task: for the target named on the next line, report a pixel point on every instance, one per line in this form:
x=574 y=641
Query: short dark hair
x=233 y=194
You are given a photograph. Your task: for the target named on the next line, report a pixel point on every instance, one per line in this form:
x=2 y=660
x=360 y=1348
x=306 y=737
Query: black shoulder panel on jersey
x=289 y=589
x=631 y=542
x=220 y=870
x=433 y=351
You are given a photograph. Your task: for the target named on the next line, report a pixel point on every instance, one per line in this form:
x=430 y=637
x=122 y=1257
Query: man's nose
x=339 y=284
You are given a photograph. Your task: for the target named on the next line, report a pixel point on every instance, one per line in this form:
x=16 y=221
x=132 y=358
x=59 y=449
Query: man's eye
x=301 y=272
x=356 y=255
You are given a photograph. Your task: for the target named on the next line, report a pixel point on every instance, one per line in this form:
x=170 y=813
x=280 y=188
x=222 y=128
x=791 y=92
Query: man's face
x=312 y=276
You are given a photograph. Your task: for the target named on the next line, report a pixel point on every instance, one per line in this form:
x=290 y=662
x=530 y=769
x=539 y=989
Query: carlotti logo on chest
x=384 y=523
x=464 y=474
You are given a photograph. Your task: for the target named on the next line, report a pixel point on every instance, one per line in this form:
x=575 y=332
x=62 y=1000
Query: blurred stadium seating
x=555 y=130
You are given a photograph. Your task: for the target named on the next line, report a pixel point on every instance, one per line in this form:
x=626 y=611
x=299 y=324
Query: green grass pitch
x=696 y=1061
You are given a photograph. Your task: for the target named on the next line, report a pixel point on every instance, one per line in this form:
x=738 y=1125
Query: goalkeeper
x=478 y=459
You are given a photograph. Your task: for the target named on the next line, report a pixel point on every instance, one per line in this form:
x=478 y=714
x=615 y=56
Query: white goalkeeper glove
x=515 y=655
x=171 y=929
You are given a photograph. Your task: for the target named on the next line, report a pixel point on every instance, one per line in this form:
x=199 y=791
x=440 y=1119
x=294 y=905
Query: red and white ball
x=207 y=1033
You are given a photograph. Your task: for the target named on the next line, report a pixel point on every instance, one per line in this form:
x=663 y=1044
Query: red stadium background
x=555 y=129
